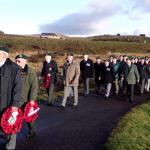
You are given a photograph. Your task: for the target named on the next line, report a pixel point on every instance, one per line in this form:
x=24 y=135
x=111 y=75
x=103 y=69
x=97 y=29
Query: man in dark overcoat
x=10 y=89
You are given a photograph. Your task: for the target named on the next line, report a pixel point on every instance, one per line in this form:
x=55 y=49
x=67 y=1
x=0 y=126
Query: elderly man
x=30 y=87
x=143 y=72
x=71 y=73
x=131 y=77
x=99 y=74
x=10 y=91
x=87 y=72
x=49 y=71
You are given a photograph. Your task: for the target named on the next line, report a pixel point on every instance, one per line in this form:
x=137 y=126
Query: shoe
x=106 y=97
x=62 y=107
x=86 y=95
x=49 y=104
x=74 y=106
x=31 y=134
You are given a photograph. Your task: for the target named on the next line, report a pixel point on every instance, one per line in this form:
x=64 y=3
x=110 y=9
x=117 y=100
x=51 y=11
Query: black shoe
x=140 y=94
x=49 y=104
x=74 y=106
x=62 y=107
x=106 y=97
x=86 y=95
x=31 y=134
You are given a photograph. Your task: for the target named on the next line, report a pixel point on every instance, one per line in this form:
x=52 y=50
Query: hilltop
x=95 y=45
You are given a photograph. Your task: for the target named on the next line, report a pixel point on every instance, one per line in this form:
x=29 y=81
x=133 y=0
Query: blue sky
x=76 y=18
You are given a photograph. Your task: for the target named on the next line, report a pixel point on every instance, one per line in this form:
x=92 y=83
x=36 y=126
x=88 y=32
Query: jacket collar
x=25 y=70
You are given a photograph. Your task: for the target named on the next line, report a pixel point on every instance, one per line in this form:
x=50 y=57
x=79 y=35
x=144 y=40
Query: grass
x=79 y=45
x=133 y=131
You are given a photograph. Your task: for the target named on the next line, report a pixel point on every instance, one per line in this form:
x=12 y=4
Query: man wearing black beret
x=30 y=87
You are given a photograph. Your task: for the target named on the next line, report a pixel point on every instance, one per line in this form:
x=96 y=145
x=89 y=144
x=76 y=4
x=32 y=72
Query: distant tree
x=142 y=35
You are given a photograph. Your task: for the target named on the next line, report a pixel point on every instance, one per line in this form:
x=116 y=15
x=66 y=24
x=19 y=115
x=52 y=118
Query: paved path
x=85 y=128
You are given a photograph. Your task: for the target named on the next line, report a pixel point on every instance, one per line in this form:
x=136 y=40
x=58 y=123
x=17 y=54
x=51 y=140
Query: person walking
x=71 y=76
x=10 y=91
x=87 y=72
x=30 y=87
x=131 y=77
x=49 y=73
x=109 y=77
x=143 y=72
x=115 y=66
x=99 y=75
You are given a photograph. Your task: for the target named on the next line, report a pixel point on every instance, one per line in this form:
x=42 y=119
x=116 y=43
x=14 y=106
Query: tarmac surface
x=84 y=128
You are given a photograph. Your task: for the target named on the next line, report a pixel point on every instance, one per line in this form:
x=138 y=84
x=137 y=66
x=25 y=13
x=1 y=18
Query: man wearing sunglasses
x=10 y=89
x=30 y=87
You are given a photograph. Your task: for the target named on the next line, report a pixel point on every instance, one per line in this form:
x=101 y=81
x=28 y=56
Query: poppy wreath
x=31 y=112
x=11 y=122
x=47 y=80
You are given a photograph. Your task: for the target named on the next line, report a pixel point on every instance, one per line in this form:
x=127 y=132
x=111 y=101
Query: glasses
x=17 y=61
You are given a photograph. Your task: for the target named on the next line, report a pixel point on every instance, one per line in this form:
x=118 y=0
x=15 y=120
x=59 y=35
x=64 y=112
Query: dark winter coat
x=99 y=72
x=109 y=75
x=143 y=71
x=148 y=68
x=87 y=68
x=10 y=85
x=50 y=68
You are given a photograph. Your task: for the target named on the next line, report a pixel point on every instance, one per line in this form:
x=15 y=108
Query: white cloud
x=89 y=20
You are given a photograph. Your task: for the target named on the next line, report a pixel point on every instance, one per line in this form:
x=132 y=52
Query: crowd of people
x=121 y=75
x=114 y=76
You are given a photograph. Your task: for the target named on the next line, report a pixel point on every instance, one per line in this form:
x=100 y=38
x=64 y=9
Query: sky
x=75 y=17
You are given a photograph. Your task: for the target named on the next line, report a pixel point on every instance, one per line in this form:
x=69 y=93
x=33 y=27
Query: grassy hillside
x=79 y=45
x=133 y=131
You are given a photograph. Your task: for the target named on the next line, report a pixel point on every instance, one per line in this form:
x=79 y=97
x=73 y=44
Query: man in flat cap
x=10 y=91
x=30 y=87
x=71 y=73
x=49 y=71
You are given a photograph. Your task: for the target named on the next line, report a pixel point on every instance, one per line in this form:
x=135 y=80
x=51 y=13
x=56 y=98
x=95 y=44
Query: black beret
x=22 y=56
x=4 y=49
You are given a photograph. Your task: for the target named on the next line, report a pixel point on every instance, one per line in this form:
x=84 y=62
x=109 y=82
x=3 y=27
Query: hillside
x=94 y=45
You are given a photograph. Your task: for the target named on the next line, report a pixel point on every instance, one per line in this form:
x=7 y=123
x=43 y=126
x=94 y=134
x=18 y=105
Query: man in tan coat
x=71 y=73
